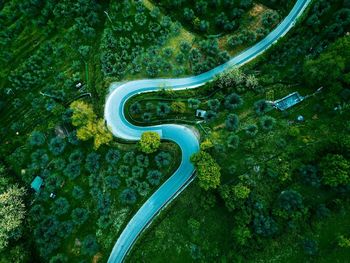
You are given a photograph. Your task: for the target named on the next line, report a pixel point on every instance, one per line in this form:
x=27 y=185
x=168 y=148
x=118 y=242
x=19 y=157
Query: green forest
x=271 y=185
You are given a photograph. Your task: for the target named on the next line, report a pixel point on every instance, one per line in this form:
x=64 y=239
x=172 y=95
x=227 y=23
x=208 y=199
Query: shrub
x=76 y=157
x=112 y=156
x=193 y=103
x=135 y=108
x=233 y=101
x=335 y=170
x=129 y=158
x=210 y=116
x=59 y=258
x=37 y=138
x=261 y=107
x=178 y=107
x=80 y=215
x=251 y=130
x=137 y=171
x=163 y=159
x=154 y=177
x=149 y=142
x=112 y=182
x=72 y=170
x=57 y=145
x=213 y=104
x=92 y=163
x=233 y=141
x=310 y=247
x=128 y=196
x=309 y=175
x=143 y=188
x=163 y=109
x=232 y=122
x=267 y=123
x=60 y=206
x=89 y=246
x=290 y=201
x=78 y=192
x=264 y=226
x=142 y=160
x=123 y=170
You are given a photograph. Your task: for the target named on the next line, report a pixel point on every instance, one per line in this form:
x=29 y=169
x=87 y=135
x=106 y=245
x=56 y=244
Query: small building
x=36 y=184
x=288 y=101
x=200 y=113
x=79 y=85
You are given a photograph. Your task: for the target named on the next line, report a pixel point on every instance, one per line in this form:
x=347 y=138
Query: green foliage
x=208 y=170
x=89 y=126
x=267 y=123
x=12 y=213
x=149 y=142
x=335 y=170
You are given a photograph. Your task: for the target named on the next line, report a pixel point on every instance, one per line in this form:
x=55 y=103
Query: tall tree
x=12 y=211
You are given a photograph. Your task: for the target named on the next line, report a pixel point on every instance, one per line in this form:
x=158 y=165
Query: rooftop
x=288 y=101
x=36 y=184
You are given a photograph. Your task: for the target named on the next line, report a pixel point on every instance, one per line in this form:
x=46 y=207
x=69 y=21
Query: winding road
x=182 y=135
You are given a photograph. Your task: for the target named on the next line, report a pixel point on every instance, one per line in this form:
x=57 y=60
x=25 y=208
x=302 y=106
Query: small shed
x=200 y=113
x=36 y=184
x=288 y=101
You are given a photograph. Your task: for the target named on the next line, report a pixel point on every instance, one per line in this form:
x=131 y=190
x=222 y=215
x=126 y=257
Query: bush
x=233 y=101
x=214 y=104
x=123 y=170
x=76 y=157
x=128 y=196
x=233 y=141
x=149 y=142
x=232 y=122
x=142 y=160
x=60 y=206
x=163 y=109
x=129 y=158
x=264 y=226
x=59 y=258
x=57 y=145
x=37 y=138
x=310 y=247
x=163 y=159
x=112 y=156
x=80 y=215
x=261 y=107
x=178 y=107
x=290 y=201
x=251 y=130
x=135 y=108
x=137 y=171
x=112 y=182
x=335 y=170
x=77 y=192
x=154 y=177
x=309 y=175
x=267 y=123
x=193 y=103
x=143 y=188
x=210 y=116
x=72 y=170
x=89 y=246
x=92 y=163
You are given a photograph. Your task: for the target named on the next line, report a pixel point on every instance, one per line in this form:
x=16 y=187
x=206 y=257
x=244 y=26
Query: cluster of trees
x=133 y=41
x=208 y=16
x=89 y=126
